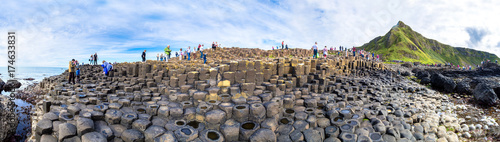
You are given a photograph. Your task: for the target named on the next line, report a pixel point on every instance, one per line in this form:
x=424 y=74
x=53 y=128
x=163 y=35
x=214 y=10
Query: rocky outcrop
x=485 y=95
x=8 y=120
x=239 y=99
x=1 y=85
x=11 y=84
x=438 y=81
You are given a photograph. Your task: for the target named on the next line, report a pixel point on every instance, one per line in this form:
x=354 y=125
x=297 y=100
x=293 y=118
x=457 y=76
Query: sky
x=49 y=33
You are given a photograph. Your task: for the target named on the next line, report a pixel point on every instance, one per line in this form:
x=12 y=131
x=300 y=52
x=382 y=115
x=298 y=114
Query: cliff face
x=402 y=43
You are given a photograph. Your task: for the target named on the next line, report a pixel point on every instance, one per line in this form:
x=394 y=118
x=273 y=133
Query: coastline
x=384 y=99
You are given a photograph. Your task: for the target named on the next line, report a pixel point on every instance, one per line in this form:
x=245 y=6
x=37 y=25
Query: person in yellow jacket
x=167 y=51
x=71 y=71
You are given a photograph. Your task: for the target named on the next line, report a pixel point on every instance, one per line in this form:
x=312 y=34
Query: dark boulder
x=463 y=87
x=407 y=64
x=485 y=95
x=416 y=70
x=1 y=85
x=422 y=74
x=405 y=73
x=438 y=81
x=425 y=80
x=11 y=84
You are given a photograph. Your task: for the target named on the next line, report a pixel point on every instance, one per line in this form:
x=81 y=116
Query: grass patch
x=402 y=43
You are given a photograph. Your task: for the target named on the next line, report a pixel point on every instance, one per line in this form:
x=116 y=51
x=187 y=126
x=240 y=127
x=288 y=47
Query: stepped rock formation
x=240 y=96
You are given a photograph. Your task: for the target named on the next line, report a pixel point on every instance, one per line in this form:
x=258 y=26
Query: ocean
x=38 y=74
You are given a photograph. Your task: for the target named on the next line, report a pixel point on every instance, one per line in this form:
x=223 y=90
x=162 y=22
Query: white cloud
x=55 y=31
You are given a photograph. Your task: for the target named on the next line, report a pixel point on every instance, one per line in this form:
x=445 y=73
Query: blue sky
x=51 y=32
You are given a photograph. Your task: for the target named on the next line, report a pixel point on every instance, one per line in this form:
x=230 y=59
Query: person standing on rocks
x=315 y=49
x=201 y=51
x=189 y=53
x=168 y=51
x=71 y=71
x=325 y=51
x=91 y=59
x=157 y=56
x=95 y=58
x=282 y=44
x=143 y=56
x=182 y=55
x=78 y=75
x=286 y=46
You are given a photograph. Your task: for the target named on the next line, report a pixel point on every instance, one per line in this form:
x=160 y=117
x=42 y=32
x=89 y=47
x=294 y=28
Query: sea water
x=38 y=74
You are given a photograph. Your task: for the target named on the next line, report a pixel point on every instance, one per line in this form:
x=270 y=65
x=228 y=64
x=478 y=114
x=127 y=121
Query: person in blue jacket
x=106 y=67
x=78 y=75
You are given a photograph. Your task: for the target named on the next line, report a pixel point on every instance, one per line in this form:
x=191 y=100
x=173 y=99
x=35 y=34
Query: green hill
x=402 y=43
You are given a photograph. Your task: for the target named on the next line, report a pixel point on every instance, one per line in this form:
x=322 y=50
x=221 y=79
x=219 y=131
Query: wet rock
x=185 y=134
x=211 y=136
x=103 y=128
x=11 y=85
x=113 y=116
x=247 y=129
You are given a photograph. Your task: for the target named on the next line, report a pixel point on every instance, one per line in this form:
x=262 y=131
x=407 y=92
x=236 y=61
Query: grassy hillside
x=402 y=43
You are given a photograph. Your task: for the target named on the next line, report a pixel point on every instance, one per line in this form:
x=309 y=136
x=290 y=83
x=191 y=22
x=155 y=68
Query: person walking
x=71 y=70
x=143 y=56
x=157 y=56
x=161 y=57
x=315 y=49
x=286 y=46
x=95 y=58
x=167 y=51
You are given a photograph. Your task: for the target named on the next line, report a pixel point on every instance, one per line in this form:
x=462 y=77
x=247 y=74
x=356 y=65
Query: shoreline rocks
x=234 y=98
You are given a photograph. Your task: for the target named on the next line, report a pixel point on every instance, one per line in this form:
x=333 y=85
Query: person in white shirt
x=201 y=52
